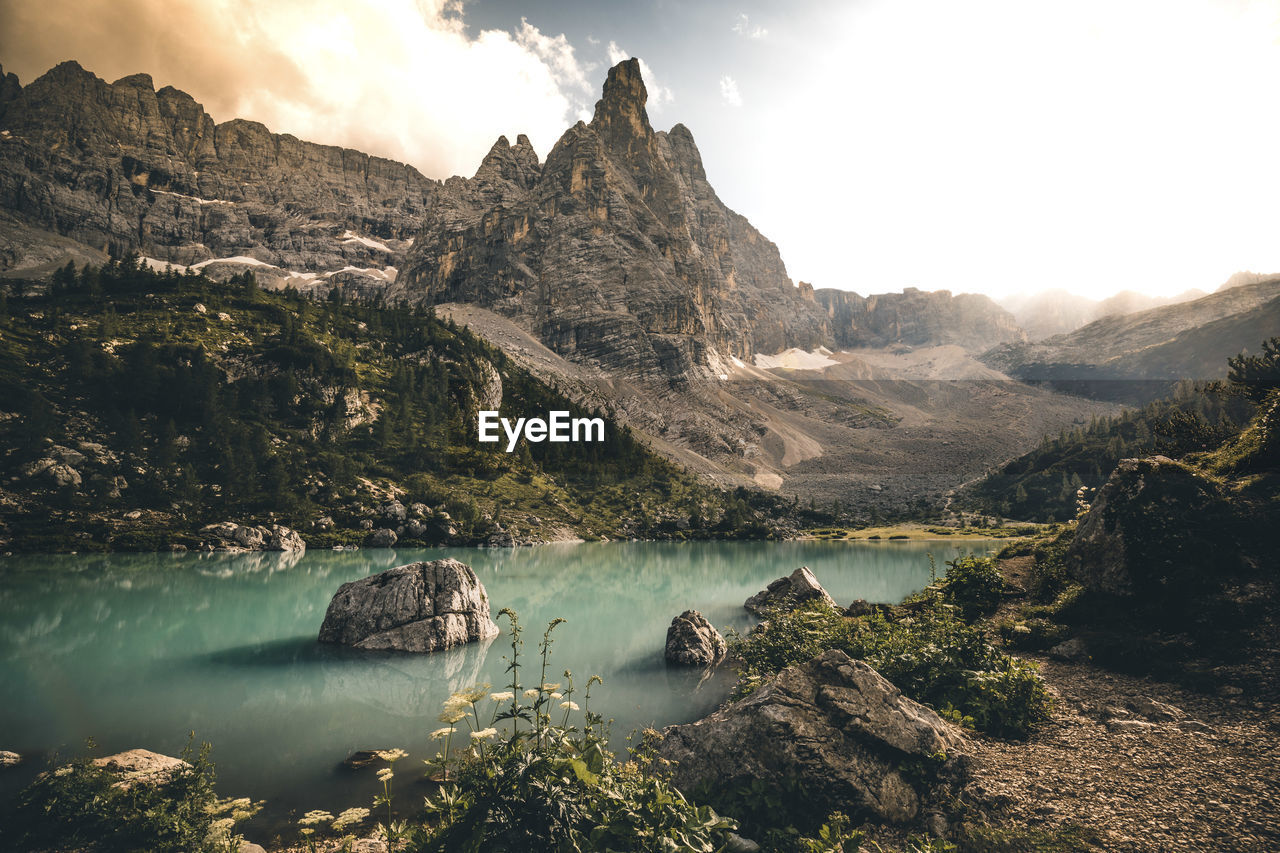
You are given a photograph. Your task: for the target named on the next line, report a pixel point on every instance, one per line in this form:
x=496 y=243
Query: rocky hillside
x=1056 y=312
x=138 y=408
x=917 y=318
x=1149 y=349
x=88 y=167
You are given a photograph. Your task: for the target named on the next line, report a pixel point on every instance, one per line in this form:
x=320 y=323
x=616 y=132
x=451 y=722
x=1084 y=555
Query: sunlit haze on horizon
x=996 y=146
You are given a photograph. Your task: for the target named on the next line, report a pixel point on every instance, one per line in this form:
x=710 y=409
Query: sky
x=992 y=146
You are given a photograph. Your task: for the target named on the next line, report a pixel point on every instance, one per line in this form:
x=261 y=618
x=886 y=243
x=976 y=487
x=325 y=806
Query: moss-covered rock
x=1158 y=531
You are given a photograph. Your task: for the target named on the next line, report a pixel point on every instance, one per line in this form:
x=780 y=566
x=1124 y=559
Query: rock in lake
x=798 y=588
x=421 y=607
x=833 y=725
x=693 y=641
x=9 y=759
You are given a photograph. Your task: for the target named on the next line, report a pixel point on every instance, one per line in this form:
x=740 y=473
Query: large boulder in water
x=833 y=728
x=1157 y=529
x=693 y=641
x=421 y=607
x=800 y=587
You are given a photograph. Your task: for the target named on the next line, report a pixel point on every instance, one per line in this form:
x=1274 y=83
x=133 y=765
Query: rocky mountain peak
x=620 y=115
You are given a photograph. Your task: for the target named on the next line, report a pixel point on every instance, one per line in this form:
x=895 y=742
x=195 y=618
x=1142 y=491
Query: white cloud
x=658 y=94
x=398 y=78
x=742 y=26
x=729 y=91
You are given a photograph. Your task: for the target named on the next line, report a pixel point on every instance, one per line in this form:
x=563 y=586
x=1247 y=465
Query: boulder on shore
x=694 y=641
x=835 y=727
x=797 y=588
x=421 y=607
x=142 y=767
x=229 y=536
x=1158 y=529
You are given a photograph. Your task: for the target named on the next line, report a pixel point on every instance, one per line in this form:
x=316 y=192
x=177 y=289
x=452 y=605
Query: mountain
x=1135 y=356
x=88 y=167
x=611 y=270
x=1046 y=313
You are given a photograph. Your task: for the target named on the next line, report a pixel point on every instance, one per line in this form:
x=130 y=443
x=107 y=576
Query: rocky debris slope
x=1145 y=766
x=229 y=536
x=421 y=607
x=122 y=166
x=834 y=727
x=799 y=587
x=693 y=641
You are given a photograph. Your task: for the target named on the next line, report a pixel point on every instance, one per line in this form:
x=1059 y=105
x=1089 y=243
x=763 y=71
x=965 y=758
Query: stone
x=9 y=759
x=834 y=726
x=797 y=588
x=859 y=607
x=239 y=538
x=141 y=767
x=1073 y=650
x=381 y=538
x=1153 y=710
x=693 y=641
x=394 y=511
x=1129 y=726
x=419 y=607
x=1156 y=527
x=250 y=847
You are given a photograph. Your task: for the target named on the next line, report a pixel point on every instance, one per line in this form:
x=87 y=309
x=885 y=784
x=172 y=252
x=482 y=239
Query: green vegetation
x=188 y=402
x=1044 y=485
x=923 y=647
x=81 y=806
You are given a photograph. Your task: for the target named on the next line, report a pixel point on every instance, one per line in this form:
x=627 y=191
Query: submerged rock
x=833 y=726
x=421 y=607
x=797 y=588
x=693 y=641
x=9 y=759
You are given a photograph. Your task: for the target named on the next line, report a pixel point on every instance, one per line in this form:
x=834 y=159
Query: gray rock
x=238 y=538
x=1195 y=726
x=394 y=511
x=797 y=588
x=141 y=767
x=1115 y=552
x=860 y=607
x=1153 y=710
x=693 y=641
x=1129 y=726
x=382 y=538
x=835 y=726
x=250 y=847
x=421 y=607
x=1070 y=650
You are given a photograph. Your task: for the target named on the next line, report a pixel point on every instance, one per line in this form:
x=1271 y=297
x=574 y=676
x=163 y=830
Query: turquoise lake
x=138 y=650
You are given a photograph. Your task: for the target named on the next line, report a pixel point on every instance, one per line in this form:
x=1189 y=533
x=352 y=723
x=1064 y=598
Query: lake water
x=138 y=650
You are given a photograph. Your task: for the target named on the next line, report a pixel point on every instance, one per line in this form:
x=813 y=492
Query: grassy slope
x=270 y=407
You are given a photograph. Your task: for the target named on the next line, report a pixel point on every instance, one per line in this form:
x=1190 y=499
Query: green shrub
x=973 y=584
x=931 y=655
x=83 y=807
x=550 y=785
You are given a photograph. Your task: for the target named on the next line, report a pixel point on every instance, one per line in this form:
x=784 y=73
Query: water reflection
x=138 y=650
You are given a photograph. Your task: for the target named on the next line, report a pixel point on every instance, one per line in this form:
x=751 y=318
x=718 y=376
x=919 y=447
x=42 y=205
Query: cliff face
x=917 y=318
x=615 y=251
x=123 y=167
